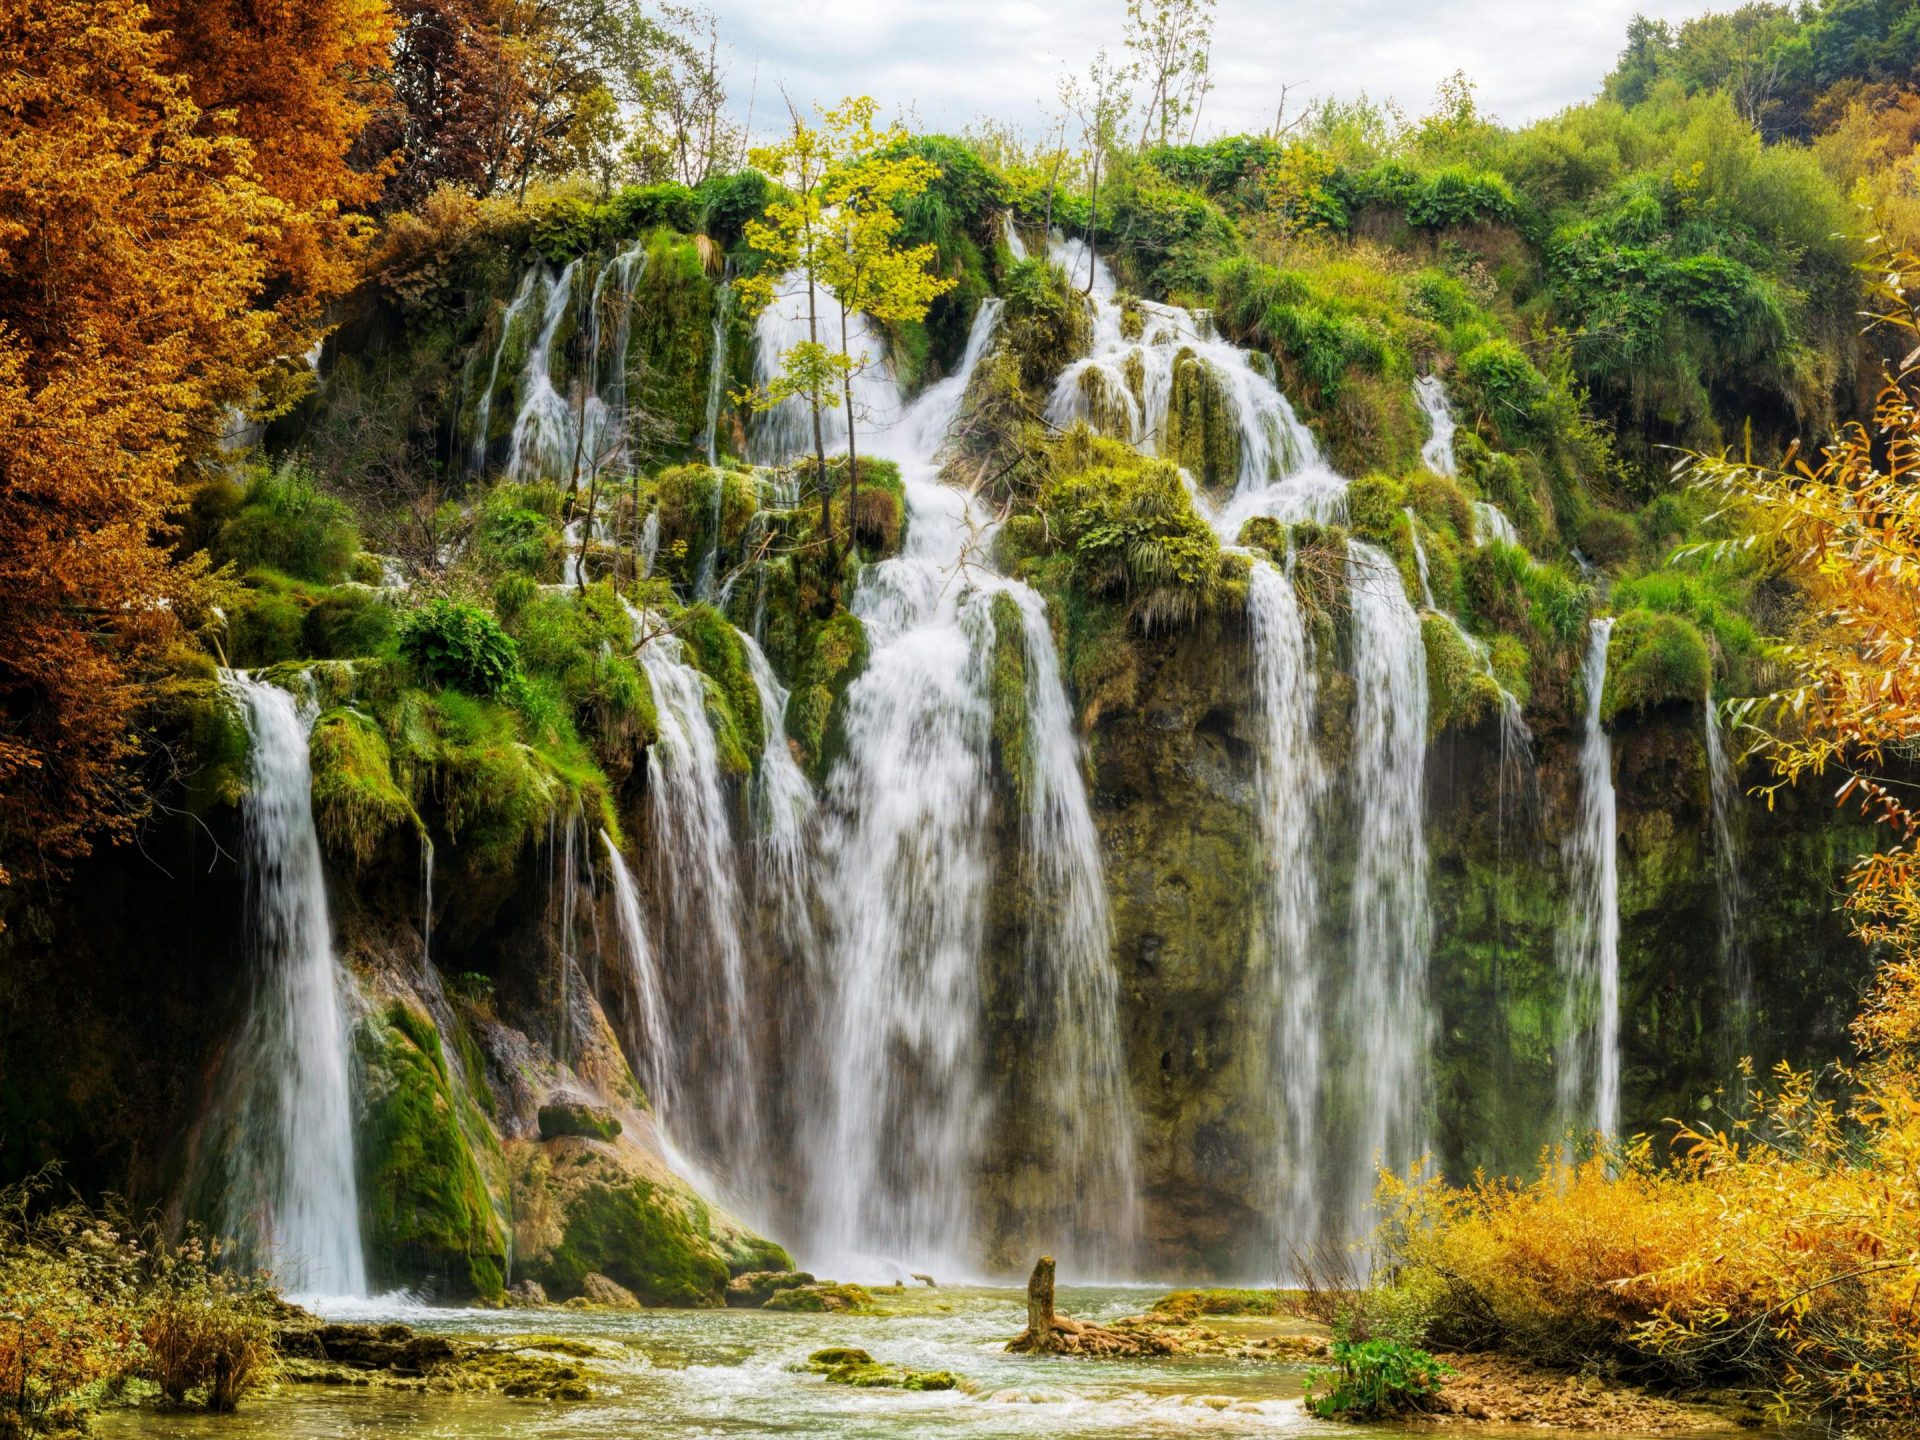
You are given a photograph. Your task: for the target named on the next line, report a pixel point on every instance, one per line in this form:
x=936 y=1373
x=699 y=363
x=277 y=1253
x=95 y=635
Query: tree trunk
x=1093 y=227
x=853 y=460
x=1040 y=1302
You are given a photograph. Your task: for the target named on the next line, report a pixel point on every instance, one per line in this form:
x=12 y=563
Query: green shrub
x=1044 y=321
x=1460 y=196
x=1500 y=378
x=1374 y=1379
x=459 y=644
x=636 y=208
x=346 y=622
x=284 y=523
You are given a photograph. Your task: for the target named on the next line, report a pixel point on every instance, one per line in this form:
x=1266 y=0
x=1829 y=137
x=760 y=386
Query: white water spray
x=1590 y=940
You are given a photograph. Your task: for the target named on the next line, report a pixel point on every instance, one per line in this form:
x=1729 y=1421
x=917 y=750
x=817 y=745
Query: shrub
x=284 y=523
x=459 y=644
x=1459 y=196
x=1044 y=321
x=206 y=1331
x=641 y=207
x=1373 y=1379
x=1500 y=377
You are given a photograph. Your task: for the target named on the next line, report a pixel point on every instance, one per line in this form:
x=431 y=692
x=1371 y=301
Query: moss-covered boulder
x=356 y=804
x=1654 y=659
x=845 y=1365
x=753 y=1289
x=733 y=701
x=427 y=1214
x=589 y=1122
x=822 y=1297
x=1460 y=691
x=1203 y=433
x=1045 y=322
x=584 y=1208
x=833 y=654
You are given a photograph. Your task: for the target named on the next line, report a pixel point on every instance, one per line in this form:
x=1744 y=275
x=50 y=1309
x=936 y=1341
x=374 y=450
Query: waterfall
x=649 y=543
x=650 y=1041
x=1389 y=1018
x=782 y=802
x=786 y=430
x=1015 y=245
x=1125 y=387
x=717 y=370
x=1590 y=939
x=292 y=1093
x=1420 y=564
x=1490 y=522
x=483 y=417
x=1729 y=888
x=1289 y=781
x=696 y=879
x=1437 y=453
x=543 y=431
x=906 y=865
x=1070 y=971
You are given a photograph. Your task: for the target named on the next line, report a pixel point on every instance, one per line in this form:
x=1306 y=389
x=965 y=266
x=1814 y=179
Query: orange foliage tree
x=156 y=266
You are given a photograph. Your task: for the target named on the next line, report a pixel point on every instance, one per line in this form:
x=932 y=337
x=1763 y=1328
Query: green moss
x=1654 y=659
x=825 y=1295
x=1203 y=432
x=582 y=643
x=642 y=1236
x=833 y=654
x=426 y=1210
x=592 y=1122
x=748 y=1254
x=1007 y=696
x=686 y=497
x=356 y=804
x=347 y=621
x=285 y=523
x=1045 y=320
x=1376 y=506
x=844 y=1365
x=670 y=339
x=1459 y=689
x=733 y=701
x=1132 y=530
x=518 y=531
x=1188 y=1305
x=267 y=620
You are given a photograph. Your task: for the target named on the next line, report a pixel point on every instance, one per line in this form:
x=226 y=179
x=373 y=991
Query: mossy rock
x=640 y=1234
x=822 y=1297
x=844 y=1365
x=1654 y=659
x=1188 y=1305
x=589 y=1122
x=733 y=701
x=834 y=653
x=356 y=804
x=1007 y=694
x=752 y=1290
x=425 y=1208
x=347 y=621
x=1376 y=506
x=1045 y=321
x=1460 y=692
x=1203 y=433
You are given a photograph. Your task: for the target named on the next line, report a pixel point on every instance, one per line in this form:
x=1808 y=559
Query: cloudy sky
x=954 y=60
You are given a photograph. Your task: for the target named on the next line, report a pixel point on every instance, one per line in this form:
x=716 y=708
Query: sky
x=944 y=63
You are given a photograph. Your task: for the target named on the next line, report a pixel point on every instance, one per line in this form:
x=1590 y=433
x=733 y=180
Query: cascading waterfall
x=717 y=370
x=1490 y=522
x=696 y=878
x=906 y=864
x=1388 y=1013
x=1289 y=781
x=293 y=1186
x=782 y=802
x=650 y=1042
x=1437 y=453
x=1420 y=559
x=1590 y=939
x=1730 y=889
x=483 y=416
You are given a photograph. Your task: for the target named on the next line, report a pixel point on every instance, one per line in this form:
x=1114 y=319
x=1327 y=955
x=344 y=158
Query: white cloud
x=947 y=63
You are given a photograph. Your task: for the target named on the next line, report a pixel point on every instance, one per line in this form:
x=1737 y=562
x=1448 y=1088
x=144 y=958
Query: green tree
x=835 y=229
x=870 y=271
x=1172 y=45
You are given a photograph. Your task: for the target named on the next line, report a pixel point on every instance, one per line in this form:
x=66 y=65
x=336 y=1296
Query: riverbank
x=570 y=1374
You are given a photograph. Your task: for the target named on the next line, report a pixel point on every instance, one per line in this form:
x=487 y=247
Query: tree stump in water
x=1048 y=1333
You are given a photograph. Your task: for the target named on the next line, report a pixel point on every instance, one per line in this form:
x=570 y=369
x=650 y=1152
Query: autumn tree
x=298 y=80
x=155 y=269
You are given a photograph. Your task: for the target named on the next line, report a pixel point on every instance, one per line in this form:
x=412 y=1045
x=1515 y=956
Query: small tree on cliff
x=835 y=230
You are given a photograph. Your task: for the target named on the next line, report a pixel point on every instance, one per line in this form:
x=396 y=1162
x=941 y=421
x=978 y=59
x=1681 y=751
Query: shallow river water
x=727 y=1373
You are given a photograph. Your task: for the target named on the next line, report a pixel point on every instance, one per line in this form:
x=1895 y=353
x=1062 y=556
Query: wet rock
x=589 y=1122
x=826 y=1295
x=848 y=1366
x=597 y=1292
x=753 y=1289
x=526 y=1295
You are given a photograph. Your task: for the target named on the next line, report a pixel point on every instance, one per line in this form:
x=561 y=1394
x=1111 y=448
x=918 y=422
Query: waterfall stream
x=1729 y=889
x=293 y=1184
x=1388 y=1015
x=1590 y=939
